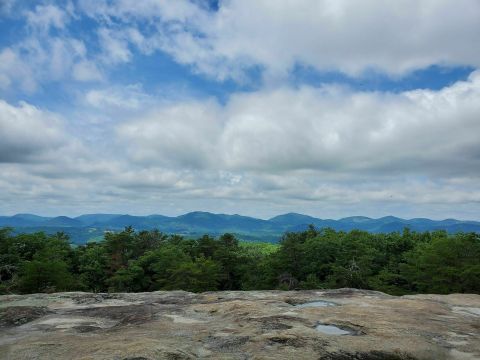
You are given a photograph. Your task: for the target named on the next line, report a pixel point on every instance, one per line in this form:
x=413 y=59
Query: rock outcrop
x=324 y=324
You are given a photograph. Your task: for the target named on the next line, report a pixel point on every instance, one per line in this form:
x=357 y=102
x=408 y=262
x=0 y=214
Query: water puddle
x=332 y=330
x=319 y=303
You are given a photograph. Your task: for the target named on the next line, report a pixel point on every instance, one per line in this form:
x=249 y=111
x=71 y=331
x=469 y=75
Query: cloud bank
x=329 y=129
x=90 y=120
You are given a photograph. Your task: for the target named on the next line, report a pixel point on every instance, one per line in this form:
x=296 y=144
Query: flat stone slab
x=332 y=324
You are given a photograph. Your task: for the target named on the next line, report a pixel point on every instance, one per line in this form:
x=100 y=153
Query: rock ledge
x=337 y=325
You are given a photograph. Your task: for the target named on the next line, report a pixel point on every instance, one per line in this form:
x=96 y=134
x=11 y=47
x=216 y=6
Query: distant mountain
x=125 y=220
x=90 y=219
x=355 y=219
x=93 y=226
x=22 y=220
x=293 y=219
x=62 y=221
x=220 y=222
x=30 y=217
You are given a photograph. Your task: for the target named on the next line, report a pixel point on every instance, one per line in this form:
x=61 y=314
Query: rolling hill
x=88 y=226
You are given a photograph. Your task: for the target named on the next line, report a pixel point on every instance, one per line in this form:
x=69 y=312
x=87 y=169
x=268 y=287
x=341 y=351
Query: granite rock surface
x=316 y=324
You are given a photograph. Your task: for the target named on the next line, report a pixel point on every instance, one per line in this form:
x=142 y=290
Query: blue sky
x=253 y=107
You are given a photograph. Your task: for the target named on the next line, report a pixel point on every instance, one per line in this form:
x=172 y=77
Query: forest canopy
x=129 y=261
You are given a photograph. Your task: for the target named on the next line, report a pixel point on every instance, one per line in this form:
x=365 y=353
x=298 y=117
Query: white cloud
x=340 y=35
x=63 y=55
x=115 y=47
x=329 y=151
x=45 y=51
x=124 y=98
x=183 y=135
x=38 y=60
x=330 y=129
x=326 y=35
x=131 y=9
x=46 y=16
x=14 y=71
x=28 y=133
x=199 y=155
x=86 y=70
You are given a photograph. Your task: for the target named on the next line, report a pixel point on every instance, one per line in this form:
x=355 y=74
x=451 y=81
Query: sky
x=330 y=108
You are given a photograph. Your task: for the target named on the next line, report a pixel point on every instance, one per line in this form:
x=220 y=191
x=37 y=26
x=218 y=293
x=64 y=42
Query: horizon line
x=248 y=216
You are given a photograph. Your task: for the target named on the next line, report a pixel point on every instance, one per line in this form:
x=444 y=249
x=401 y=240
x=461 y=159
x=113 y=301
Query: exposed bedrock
x=325 y=324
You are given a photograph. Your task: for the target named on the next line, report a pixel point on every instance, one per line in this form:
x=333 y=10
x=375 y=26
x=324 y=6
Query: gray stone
x=239 y=325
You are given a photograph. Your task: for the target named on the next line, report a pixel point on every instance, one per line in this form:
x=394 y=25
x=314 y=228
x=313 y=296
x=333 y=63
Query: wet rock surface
x=240 y=325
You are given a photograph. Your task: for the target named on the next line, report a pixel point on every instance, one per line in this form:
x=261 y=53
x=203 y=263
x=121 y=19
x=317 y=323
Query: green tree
x=445 y=265
x=130 y=279
x=45 y=275
x=227 y=255
x=93 y=267
x=119 y=247
x=199 y=275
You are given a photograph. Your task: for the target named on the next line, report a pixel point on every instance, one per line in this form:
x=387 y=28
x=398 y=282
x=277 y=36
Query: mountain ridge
x=86 y=226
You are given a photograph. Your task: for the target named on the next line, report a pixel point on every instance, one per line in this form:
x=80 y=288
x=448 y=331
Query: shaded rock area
x=177 y=325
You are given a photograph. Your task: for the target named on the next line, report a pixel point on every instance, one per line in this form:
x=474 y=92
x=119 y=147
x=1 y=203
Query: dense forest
x=128 y=261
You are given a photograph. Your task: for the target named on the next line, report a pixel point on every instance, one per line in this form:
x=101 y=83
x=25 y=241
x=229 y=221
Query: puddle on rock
x=332 y=330
x=319 y=303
